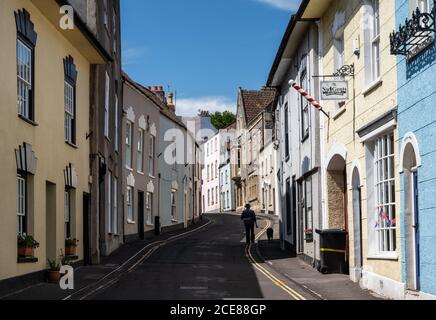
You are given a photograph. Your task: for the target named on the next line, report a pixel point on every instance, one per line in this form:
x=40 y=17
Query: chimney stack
x=158 y=91
x=170 y=103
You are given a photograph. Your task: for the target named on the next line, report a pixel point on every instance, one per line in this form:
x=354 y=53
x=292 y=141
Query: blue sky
x=203 y=49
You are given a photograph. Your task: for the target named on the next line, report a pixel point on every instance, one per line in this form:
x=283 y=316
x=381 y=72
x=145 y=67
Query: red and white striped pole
x=306 y=95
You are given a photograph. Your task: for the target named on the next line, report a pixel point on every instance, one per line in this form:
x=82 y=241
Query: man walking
x=249 y=218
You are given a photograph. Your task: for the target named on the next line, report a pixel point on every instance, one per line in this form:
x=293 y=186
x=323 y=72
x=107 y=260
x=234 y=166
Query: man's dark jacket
x=249 y=217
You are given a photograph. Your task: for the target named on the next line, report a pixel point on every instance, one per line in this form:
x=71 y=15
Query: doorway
x=411 y=216
x=51 y=221
x=141 y=215
x=357 y=223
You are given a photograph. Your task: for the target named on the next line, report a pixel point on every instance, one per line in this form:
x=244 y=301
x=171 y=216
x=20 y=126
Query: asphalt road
x=211 y=264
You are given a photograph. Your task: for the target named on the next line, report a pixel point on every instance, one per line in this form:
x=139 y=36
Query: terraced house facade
x=45 y=165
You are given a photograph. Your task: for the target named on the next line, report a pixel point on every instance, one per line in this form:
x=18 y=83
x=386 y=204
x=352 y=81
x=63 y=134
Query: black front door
x=141 y=215
x=87 y=229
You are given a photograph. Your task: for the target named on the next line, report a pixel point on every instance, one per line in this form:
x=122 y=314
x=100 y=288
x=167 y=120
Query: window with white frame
x=116 y=140
x=129 y=196
x=69 y=97
x=208 y=198
x=67 y=214
x=115 y=206
x=308 y=216
x=149 y=208
x=213 y=202
x=208 y=173
x=286 y=124
x=129 y=138
x=21 y=205
x=24 y=79
x=212 y=172
x=216 y=169
x=228 y=199
x=375 y=41
x=140 y=151
x=109 y=202
x=173 y=205
x=384 y=169
x=216 y=193
x=151 y=155
x=304 y=106
x=106 y=106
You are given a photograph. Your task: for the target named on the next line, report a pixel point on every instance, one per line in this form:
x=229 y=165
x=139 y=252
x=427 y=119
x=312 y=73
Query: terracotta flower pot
x=53 y=276
x=24 y=251
x=70 y=251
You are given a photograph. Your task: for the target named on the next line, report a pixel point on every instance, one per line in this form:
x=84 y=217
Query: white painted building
x=210 y=175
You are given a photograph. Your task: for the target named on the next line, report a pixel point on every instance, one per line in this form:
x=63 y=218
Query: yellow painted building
x=44 y=127
x=362 y=186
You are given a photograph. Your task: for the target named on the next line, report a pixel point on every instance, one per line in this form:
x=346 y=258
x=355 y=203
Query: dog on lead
x=270 y=234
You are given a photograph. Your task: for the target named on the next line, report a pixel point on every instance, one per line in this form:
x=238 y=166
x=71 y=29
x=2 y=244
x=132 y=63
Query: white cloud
x=289 y=5
x=189 y=107
x=132 y=56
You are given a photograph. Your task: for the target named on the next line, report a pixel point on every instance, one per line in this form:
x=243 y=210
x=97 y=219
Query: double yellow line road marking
x=294 y=294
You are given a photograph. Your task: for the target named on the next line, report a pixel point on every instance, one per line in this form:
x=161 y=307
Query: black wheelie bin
x=333 y=251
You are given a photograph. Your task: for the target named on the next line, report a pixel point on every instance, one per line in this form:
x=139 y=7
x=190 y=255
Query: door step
x=412 y=295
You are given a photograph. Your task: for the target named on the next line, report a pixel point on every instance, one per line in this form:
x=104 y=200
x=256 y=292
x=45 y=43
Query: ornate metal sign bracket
x=415 y=35
x=344 y=71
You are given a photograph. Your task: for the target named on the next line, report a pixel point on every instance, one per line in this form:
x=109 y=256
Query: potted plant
x=308 y=233
x=70 y=247
x=53 y=273
x=26 y=244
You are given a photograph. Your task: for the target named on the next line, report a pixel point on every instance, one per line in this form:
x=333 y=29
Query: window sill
x=141 y=173
x=31 y=122
x=72 y=258
x=339 y=112
x=174 y=221
x=27 y=260
x=130 y=221
x=72 y=145
x=392 y=256
x=152 y=177
x=372 y=86
x=130 y=169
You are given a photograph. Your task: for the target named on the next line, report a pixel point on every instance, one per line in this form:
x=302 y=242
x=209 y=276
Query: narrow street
x=209 y=264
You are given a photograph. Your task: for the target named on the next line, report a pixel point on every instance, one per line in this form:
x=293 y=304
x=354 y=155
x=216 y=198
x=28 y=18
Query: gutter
x=295 y=18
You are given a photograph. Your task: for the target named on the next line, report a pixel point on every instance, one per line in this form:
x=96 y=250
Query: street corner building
x=141 y=123
x=45 y=163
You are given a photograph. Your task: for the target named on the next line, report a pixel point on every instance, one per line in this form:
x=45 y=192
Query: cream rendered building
x=44 y=163
x=360 y=161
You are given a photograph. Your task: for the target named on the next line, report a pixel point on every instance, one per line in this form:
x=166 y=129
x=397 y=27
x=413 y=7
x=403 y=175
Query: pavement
x=326 y=287
x=209 y=261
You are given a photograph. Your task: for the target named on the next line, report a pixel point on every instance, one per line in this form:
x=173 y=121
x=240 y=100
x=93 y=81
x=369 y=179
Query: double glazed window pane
x=24 y=78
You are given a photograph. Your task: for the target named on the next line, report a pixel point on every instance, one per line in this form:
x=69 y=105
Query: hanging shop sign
x=334 y=90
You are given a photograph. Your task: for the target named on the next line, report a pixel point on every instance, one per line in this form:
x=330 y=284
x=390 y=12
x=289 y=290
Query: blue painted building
x=417 y=142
